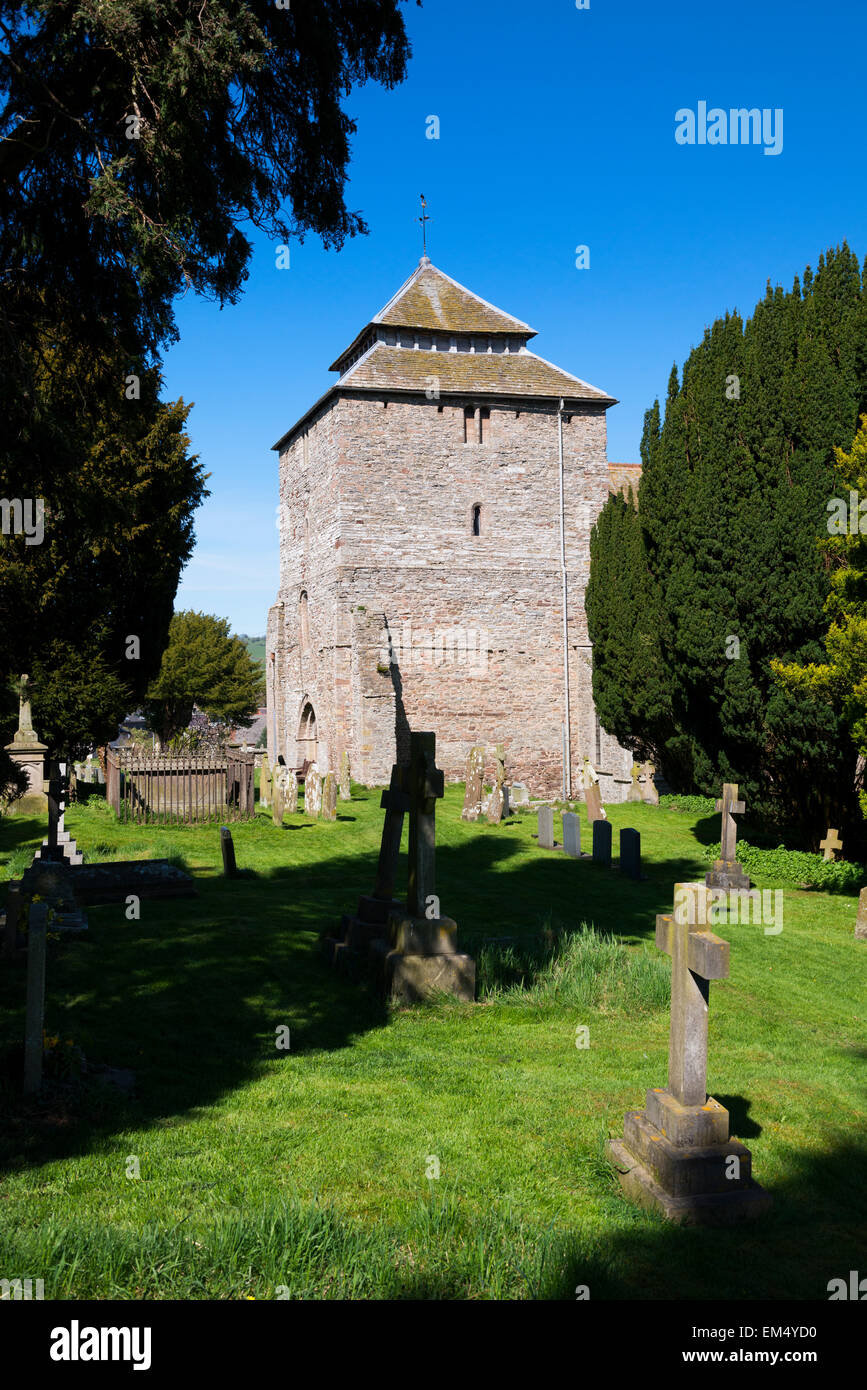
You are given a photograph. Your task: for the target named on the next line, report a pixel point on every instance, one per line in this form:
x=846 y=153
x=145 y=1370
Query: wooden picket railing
x=178 y=789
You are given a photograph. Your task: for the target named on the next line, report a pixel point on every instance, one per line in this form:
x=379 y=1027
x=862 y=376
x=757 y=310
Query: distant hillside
x=255 y=646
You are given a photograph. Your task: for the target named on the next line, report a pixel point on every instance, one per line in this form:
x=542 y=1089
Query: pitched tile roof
x=475 y=373
x=430 y=299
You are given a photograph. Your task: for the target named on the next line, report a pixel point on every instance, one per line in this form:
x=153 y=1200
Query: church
x=435 y=513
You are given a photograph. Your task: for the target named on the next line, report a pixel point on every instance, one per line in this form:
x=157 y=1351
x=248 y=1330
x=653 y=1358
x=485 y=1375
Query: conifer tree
x=732 y=497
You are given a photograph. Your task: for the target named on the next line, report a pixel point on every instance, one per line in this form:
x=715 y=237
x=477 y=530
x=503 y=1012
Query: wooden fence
x=178 y=789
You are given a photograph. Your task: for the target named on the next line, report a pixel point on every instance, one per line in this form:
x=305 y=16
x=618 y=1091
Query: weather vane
x=424 y=219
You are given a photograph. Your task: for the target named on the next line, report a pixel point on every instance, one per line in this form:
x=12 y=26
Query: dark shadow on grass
x=815 y=1232
x=175 y=996
x=740 y=1123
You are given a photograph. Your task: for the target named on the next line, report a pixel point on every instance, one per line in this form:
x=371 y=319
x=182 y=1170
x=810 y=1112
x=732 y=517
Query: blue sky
x=557 y=129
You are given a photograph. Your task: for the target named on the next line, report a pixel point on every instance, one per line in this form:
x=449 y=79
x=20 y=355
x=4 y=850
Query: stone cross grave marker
x=421 y=954
x=227 y=849
x=831 y=844
x=697 y=957
x=677 y=1155
x=634 y=793
x=59 y=844
x=651 y=795
x=546 y=827
x=727 y=872
x=592 y=794
x=498 y=800
x=370 y=922
x=475 y=772
x=34 y=1017
x=426 y=787
x=395 y=802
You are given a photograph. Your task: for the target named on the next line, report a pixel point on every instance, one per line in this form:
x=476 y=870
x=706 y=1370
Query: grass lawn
x=307 y=1172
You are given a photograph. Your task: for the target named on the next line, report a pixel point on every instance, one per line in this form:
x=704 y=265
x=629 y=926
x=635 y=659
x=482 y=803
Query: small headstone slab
x=329 y=797
x=345 y=782
x=861 y=919
x=546 y=827
x=630 y=853
x=602 y=842
x=475 y=772
x=227 y=849
x=572 y=834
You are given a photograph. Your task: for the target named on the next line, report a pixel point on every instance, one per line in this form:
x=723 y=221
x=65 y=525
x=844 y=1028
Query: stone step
x=742 y=1203
x=684 y=1171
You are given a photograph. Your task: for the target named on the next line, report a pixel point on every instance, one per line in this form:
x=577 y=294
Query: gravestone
x=26 y=750
x=592 y=794
x=498 y=801
x=831 y=844
x=345 y=780
x=265 y=782
x=370 y=922
x=227 y=849
x=572 y=834
x=59 y=843
x=727 y=873
x=861 y=919
x=278 y=805
x=475 y=772
x=290 y=791
x=329 y=797
x=546 y=827
x=630 y=853
x=54 y=881
x=312 y=791
x=676 y=1155
x=519 y=794
x=650 y=794
x=10 y=924
x=602 y=842
x=421 y=956
x=34 y=1016
x=634 y=793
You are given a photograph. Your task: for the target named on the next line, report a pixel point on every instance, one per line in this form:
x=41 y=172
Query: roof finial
x=424 y=219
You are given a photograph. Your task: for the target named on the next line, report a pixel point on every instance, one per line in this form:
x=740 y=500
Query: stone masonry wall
x=387 y=489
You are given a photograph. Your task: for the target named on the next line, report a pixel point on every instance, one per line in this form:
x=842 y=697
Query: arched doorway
x=307 y=736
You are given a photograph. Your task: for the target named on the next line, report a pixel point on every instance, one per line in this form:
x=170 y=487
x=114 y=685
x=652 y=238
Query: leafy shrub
x=701 y=805
x=798 y=867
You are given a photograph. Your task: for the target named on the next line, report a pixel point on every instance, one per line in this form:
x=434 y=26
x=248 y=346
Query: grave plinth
x=677 y=1155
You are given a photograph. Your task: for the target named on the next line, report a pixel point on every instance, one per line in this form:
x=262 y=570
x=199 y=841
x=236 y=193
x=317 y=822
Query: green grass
x=307 y=1169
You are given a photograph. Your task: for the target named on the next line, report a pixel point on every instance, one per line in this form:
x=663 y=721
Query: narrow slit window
x=477 y=520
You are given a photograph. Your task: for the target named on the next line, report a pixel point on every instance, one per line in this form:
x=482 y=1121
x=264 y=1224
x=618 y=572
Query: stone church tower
x=435 y=514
